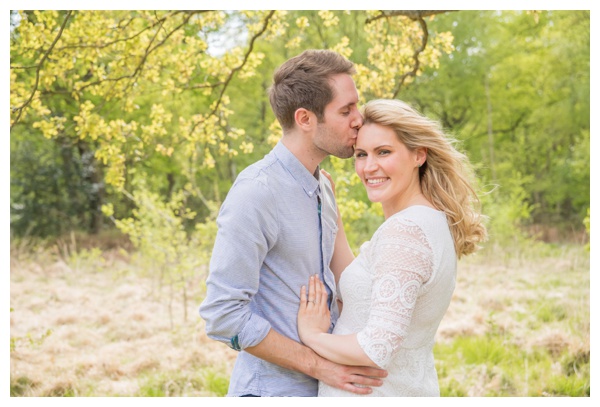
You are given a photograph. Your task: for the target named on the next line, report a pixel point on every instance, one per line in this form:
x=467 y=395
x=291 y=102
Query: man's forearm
x=285 y=352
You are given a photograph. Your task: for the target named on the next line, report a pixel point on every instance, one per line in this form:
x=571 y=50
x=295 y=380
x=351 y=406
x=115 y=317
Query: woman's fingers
x=303 y=296
x=318 y=289
x=324 y=296
x=317 y=294
x=311 y=291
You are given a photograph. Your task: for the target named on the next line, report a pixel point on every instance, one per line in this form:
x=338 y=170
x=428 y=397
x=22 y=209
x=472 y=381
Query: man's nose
x=357 y=121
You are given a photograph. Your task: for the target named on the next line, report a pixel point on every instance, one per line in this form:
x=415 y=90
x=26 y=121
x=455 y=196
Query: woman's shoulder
x=418 y=215
x=423 y=229
x=418 y=211
x=419 y=220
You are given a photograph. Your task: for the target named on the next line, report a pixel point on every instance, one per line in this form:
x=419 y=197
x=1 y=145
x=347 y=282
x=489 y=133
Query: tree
x=138 y=95
x=526 y=74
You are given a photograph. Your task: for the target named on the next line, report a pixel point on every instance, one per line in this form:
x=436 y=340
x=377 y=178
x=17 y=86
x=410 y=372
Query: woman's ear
x=421 y=156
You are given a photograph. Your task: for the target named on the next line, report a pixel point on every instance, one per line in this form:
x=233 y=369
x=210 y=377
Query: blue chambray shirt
x=270 y=240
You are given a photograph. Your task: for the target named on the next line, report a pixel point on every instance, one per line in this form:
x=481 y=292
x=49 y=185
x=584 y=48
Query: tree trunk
x=490 y=128
x=92 y=174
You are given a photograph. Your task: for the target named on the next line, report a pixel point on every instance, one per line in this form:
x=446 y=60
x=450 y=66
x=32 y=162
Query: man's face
x=336 y=135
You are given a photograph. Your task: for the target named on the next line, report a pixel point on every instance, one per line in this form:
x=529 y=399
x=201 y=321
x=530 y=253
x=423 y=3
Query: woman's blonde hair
x=446 y=176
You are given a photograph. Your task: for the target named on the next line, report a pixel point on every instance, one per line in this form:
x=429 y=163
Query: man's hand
x=355 y=379
x=287 y=353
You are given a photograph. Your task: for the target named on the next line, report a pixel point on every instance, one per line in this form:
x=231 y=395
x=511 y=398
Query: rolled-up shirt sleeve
x=247 y=229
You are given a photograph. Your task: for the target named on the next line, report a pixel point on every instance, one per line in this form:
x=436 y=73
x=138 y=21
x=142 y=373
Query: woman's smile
x=376 y=181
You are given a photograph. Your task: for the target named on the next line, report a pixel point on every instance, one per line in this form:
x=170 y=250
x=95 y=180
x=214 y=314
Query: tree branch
x=415 y=56
x=239 y=67
x=108 y=44
x=38 y=68
x=148 y=51
x=412 y=14
x=246 y=56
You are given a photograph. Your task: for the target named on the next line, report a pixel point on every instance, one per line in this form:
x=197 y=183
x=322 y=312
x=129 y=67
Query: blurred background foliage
x=139 y=121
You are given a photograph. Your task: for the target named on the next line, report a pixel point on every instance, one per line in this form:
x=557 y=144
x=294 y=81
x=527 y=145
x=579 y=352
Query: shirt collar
x=307 y=180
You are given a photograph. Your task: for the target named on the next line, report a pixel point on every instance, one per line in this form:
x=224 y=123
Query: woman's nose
x=370 y=164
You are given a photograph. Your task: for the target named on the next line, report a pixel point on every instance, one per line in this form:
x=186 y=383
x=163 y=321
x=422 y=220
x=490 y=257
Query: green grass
x=480 y=360
x=19 y=386
x=206 y=382
x=529 y=325
x=550 y=312
x=497 y=367
x=216 y=382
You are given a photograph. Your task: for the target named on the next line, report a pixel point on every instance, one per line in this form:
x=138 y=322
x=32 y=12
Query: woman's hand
x=313 y=316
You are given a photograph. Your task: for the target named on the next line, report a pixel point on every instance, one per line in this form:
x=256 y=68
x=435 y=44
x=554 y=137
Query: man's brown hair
x=304 y=82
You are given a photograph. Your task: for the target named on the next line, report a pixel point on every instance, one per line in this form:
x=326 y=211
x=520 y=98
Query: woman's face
x=388 y=170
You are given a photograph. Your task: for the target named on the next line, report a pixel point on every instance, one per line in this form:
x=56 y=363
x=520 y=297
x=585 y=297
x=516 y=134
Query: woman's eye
x=384 y=152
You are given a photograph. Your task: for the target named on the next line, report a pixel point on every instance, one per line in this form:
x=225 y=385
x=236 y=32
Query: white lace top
x=395 y=294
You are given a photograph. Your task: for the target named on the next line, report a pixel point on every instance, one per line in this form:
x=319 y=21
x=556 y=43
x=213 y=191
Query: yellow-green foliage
x=507 y=208
x=142 y=91
x=144 y=94
x=166 y=250
x=120 y=56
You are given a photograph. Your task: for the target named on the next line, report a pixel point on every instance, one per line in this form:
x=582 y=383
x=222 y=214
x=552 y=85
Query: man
x=277 y=227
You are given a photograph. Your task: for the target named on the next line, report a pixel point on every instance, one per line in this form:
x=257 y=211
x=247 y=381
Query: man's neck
x=304 y=151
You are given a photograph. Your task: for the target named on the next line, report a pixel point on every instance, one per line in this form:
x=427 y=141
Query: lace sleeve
x=402 y=261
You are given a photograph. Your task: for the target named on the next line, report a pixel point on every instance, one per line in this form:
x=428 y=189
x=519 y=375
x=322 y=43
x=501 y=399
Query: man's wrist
x=314 y=363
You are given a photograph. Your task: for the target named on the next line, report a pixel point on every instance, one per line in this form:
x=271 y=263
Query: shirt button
x=310 y=194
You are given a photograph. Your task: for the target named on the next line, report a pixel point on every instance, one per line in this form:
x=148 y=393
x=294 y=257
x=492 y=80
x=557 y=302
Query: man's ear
x=304 y=118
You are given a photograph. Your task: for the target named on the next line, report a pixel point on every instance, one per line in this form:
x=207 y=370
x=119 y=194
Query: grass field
x=90 y=322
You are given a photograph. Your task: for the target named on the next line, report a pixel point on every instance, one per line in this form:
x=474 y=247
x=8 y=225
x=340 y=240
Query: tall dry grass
x=89 y=322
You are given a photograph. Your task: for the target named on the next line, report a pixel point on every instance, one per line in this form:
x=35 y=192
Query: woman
x=397 y=290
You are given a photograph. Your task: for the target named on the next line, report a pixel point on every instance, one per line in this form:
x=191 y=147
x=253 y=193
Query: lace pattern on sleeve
x=402 y=261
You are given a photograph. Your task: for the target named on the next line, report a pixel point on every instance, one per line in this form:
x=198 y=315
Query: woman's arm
x=342 y=253
x=285 y=352
x=313 y=324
